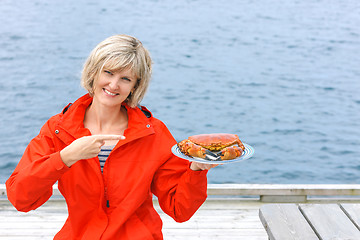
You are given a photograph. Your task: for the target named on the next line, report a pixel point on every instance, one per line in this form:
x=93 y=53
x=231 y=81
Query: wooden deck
x=311 y=221
x=213 y=221
x=231 y=212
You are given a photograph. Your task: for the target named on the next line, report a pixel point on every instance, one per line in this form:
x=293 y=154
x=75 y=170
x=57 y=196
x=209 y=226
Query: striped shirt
x=104 y=154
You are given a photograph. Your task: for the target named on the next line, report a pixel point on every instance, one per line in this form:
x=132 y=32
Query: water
x=283 y=75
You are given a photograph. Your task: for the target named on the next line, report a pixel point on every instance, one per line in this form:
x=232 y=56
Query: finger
x=102 y=143
x=204 y=166
x=209 y=166
x=109 y=137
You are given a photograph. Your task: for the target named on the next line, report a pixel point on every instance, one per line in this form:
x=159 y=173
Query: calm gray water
x=283 y=75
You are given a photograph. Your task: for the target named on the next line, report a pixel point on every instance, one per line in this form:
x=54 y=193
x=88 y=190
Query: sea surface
x=283 y=75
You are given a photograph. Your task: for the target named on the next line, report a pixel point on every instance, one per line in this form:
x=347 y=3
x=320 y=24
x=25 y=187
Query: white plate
x=249 y=151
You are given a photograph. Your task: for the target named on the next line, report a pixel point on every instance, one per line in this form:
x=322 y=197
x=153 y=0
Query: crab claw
x=231 y=152
x=192 y=149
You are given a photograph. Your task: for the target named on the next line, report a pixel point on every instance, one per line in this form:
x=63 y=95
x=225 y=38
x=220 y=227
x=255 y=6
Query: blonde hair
x=117 y=53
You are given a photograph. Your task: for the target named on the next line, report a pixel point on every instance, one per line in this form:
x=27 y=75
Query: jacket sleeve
x=180 y=190
x=30 y=185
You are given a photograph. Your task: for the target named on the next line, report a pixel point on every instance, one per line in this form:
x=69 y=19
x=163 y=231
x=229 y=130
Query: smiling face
x=119 y=52
x=113 y=87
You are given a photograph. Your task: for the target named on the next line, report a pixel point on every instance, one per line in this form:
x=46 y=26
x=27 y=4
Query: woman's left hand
x=195 y=166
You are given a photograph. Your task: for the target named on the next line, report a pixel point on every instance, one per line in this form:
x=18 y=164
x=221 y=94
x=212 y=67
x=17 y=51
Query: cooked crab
x=216 y=146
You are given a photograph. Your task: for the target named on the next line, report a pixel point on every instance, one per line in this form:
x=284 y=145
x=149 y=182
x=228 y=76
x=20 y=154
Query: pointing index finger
x=109 y=137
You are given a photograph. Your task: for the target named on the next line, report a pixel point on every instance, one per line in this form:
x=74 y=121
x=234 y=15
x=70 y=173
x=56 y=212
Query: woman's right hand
x=85 y=148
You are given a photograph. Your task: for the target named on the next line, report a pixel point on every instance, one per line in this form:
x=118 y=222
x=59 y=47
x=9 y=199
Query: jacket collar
x=72 y=121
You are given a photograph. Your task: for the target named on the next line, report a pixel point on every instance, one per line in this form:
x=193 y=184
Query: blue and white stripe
x=104 y=154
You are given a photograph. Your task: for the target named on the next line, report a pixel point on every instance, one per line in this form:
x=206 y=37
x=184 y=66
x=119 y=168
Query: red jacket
x=118 y=203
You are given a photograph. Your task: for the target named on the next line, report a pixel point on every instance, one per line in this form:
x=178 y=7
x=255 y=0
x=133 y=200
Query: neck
x=105 y=120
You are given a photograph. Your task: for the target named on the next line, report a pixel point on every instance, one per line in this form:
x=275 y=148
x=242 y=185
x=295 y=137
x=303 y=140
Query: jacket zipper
x=106 y=198
x=106 y=189
x=105 y=186
x=107 y=182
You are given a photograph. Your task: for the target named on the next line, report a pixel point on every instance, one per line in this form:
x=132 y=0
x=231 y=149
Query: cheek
x=96 y=84
x=131 y=88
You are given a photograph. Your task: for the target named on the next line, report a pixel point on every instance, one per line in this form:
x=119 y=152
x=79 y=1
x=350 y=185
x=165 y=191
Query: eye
x=126 y=79
x=108 y=72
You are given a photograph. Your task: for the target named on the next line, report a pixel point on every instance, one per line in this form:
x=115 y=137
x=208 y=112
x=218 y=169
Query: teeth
x=112 y=94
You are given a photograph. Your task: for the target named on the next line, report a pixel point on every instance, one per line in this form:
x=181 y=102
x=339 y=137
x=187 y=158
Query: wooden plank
x=353 y=212
x=283 y=198
x=285 y=221
x=211 y=234
x=25 y=237
x=285 y=189
x=265 y=189
x=222 y=220
x=329 y=221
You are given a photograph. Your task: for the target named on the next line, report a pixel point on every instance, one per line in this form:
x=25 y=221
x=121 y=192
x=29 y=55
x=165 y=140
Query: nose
x=113 y=84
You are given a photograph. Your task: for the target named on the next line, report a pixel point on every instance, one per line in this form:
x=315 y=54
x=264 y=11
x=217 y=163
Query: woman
x=109 y=156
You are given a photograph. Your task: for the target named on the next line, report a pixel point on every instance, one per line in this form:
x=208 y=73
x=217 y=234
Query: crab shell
x=216 y=141
x=227 y=146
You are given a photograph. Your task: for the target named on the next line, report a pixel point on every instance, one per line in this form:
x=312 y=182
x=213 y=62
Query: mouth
x=110 y=93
